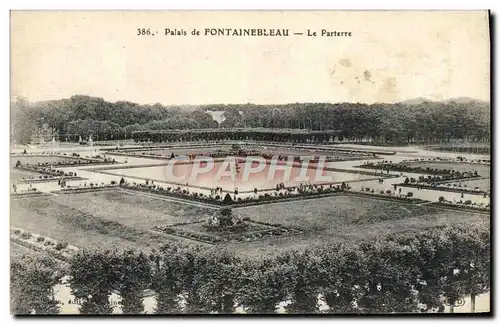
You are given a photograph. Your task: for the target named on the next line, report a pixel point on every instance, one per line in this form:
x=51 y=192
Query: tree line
x=414 y=271
x=84 y=116
x=423 y=122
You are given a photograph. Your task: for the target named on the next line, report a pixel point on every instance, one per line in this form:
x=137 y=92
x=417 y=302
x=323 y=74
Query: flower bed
x=70 y=190
x=58 y=249
x=467 y=205
x=361 y=172
x=72 y=159
x=42 y=179
x=403 y=167
x=221 y=200
x=233 y=153
x=28 y=193
x=444 y=187
x=387 y=196
x=458 y=160
x=434 y=175
x=47 y=172
x=252 y=232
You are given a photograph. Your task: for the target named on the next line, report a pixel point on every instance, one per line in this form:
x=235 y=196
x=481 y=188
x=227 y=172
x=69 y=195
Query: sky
x=391 y=56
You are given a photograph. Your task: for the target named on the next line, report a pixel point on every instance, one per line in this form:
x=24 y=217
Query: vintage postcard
x=250 y=162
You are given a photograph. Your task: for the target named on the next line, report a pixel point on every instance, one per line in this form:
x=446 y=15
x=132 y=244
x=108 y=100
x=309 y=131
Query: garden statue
x=223 y=219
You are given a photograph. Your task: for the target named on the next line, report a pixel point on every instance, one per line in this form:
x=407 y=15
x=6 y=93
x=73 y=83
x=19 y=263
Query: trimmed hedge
x=303 y=193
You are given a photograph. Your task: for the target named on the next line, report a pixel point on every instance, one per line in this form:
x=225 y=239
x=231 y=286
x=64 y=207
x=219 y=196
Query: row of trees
x=404 y=272
x=426 y=121
x=257 y=134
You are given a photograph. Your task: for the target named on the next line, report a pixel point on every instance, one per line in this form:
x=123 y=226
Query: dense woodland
x=398 y=123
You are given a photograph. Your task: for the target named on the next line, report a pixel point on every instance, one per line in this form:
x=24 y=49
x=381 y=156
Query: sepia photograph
x=279 y=162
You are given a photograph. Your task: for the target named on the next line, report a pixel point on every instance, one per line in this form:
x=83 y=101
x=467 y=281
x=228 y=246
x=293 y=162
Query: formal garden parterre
x=275 y=235
x=357 y=252
x=328 y=233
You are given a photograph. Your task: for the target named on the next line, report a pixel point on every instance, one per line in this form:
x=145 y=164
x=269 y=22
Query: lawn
x=16 y=175
x=482 y=169
x=111 y=218
x=121 y=219
x=344 y=218
x=134 y=209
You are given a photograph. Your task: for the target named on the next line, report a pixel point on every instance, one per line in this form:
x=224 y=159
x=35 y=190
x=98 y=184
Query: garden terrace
x=256 y=134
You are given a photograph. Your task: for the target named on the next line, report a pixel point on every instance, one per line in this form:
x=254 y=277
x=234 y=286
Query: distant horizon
x=410 y=100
